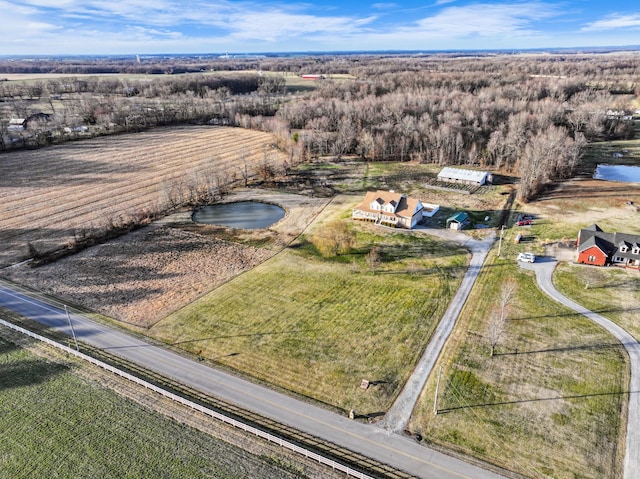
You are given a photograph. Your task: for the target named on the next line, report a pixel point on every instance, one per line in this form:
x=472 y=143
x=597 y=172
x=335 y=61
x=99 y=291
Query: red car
x=524 y=222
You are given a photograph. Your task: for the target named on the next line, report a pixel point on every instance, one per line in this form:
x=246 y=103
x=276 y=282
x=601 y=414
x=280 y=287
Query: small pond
x=244 y=214
x=628 y=174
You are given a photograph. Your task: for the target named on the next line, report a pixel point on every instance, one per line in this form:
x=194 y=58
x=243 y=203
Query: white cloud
x=613 y=22
x=277 y=25
x=384 y=6
x=23 y=25
x=166 y=26
x=487 y=19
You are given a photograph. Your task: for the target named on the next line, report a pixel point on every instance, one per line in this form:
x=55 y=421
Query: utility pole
x=500 y=243
x=73 y=333
x=435 y=398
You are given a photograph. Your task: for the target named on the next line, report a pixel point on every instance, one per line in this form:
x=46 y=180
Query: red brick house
x=603 y=249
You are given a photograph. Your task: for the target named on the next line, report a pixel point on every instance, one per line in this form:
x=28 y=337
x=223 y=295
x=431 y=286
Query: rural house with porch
x=598 y=248
x=390 y=209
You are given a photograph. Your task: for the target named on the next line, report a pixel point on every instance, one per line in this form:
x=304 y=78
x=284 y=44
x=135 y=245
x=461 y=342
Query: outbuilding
x=16 y=124
x=458 y=221
x=461 y=175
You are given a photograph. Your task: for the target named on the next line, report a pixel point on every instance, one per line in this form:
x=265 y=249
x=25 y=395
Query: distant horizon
x=276 y=54
x=171 y=27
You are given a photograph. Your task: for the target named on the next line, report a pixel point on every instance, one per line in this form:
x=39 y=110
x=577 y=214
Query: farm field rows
x=143 y=275
x=48 y=196
x=61 y=417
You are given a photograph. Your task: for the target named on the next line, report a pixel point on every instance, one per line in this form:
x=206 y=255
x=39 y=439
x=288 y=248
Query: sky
x=69 y=27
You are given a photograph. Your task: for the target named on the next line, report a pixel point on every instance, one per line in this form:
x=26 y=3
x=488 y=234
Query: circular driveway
x=544 y=268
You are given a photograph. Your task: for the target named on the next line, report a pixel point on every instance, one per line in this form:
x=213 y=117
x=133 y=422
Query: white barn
x=461 y=175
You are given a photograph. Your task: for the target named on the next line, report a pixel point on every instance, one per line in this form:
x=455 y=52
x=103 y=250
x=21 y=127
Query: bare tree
x=499 y=315
x=373 y=258
x=334 y=238
x=243 y=158
x=496 y=329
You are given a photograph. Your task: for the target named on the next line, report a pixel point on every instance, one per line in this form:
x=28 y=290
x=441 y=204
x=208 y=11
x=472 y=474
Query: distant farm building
x=16 y=124
x=461 y=175
x=37 y=118
x=390 y=209
x=459 y=221
x=598 y=248
x=313 y=77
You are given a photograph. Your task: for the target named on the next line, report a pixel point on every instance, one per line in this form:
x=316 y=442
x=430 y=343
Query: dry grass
x=143 y=276
x=51 y=196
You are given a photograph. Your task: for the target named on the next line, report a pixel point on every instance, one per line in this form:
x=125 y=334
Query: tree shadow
x=574 y=313
x=23 y=373
x=241 y=335
x=584 y=347
x=524 y=401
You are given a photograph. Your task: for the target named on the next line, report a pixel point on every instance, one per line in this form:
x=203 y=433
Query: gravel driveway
x=544 y=267
x=397 y=418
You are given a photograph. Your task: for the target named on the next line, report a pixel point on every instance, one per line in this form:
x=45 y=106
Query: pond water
x=244 y=214
x=628 y=174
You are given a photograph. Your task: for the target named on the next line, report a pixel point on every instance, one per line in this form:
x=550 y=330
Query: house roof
x=609 y=243
x=404 y=206
x=598 y=242
x=460 y=217
x=462 y=174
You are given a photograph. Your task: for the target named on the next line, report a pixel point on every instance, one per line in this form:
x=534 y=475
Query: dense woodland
x=527 y=115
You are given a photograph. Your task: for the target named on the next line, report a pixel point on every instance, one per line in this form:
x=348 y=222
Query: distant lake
x=628 y=174
x=243 y=214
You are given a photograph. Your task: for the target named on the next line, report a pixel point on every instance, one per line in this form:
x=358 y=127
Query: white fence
x=221 y=417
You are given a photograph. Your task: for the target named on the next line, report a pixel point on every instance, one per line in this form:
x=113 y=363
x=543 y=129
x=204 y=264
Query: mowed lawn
x=317 y=326
x=551 y=403
x=55 y=423
x=611 y=292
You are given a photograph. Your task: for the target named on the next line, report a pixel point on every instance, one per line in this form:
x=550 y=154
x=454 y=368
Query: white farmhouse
x=390 y=209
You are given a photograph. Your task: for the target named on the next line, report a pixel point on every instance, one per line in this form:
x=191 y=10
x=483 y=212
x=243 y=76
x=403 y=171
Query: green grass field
x=317 y=326
x=55 y=423
x=611 y=292
x=550 y=403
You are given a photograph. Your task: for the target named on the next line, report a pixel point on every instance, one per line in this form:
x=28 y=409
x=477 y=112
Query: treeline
x=517 y=115
x=57 y=110
x=622 y=66
x=529 y=115
x=198 y=85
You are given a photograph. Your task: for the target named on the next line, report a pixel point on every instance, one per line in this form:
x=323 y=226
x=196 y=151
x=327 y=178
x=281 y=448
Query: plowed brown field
x=47 y=196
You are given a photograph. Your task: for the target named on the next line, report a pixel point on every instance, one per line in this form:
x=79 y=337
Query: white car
x=527 y=257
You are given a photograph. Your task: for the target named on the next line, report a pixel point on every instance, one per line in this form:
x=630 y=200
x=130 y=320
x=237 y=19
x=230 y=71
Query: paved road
x=397 y=418
x=394 y=449
x=544 y=268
